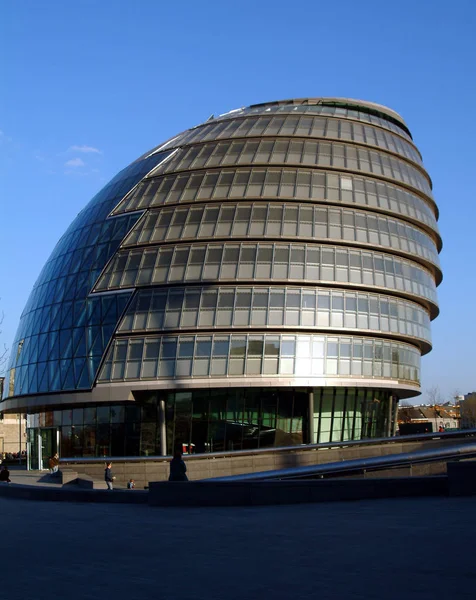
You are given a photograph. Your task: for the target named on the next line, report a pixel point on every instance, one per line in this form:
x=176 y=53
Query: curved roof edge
x=349 y=101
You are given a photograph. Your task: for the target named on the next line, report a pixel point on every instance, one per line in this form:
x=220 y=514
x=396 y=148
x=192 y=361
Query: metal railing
x=359 y=465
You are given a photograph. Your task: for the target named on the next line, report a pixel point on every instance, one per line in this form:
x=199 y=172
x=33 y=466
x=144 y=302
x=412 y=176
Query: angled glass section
x=63 y=332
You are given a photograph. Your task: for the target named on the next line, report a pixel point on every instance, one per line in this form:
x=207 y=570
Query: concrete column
x=162 y=428
x=310 y=420
x=19 y=438
x=390 y=417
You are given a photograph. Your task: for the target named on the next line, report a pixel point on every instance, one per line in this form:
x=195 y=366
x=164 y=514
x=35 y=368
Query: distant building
x=437 y=416
x=468 y=411
x=440 y=416
x=12 y=432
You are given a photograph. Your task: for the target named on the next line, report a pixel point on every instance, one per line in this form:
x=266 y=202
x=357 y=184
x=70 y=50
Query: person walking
x=108 y=476
x=55 y=463
x=51 y=464
x=178 y=468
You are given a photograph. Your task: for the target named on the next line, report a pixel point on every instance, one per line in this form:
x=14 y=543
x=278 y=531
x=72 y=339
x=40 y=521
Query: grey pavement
x=405 y=548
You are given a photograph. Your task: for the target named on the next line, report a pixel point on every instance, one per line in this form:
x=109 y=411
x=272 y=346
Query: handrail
x=463 y=433
x=374 y=463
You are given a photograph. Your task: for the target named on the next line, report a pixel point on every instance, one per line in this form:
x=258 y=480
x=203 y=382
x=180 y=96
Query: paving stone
x=412 y=549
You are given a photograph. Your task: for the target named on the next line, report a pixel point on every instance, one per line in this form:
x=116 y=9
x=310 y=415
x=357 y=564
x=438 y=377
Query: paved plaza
x=405 y=549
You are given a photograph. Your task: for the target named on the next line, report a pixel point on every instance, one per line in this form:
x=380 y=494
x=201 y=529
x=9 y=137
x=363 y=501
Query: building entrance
x=43 y=444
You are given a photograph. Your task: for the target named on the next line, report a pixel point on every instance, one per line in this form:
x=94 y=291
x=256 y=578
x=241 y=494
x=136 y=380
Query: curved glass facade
x=323 y=187
x=266 y=262
x=272 y=220
x=176 y=308
x=266 y=278
x=303 y=126
x=242 y=355
x=299 y=152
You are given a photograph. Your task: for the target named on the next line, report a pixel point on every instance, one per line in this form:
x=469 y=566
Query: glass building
x=266 y=278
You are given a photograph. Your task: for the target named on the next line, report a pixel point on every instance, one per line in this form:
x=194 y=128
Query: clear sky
x=88 y=86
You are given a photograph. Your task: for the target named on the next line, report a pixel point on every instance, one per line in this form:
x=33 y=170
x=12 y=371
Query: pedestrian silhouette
x=178 y=468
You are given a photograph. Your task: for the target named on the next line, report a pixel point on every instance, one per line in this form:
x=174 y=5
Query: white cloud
x=84 y=149
x=4 y=138
x=75 y=162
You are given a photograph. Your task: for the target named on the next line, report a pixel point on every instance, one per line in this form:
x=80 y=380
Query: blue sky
x=89 y=86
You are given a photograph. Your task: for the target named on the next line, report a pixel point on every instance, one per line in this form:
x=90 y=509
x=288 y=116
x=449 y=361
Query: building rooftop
x=350 y=102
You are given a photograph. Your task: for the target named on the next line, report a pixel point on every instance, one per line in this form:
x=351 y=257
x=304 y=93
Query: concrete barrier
x=67 y=476
x=88 y=483
x=462 y=478
x=220 y=493
x=72 y=494
x=70 y=479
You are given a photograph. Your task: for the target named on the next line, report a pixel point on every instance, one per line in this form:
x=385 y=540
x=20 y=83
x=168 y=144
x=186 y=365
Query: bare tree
x=435 y=398
x=434 y=395
x=3 y=351
x=455 y=396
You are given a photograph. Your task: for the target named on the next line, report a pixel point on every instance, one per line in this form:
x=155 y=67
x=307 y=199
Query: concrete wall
x=204 y=467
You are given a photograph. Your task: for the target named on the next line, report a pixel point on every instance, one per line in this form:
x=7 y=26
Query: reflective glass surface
x=203 y=420
x=261 y=262
x=255 y=355
x=63 y=333
x=220 y=420
x=292 y=220
x=284 y=307
x=287 y=184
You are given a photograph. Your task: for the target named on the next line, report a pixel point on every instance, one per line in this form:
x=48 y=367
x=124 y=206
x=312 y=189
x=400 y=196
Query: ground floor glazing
x=211 y=420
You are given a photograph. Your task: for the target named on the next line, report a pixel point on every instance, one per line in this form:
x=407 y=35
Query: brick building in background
x=12 y=431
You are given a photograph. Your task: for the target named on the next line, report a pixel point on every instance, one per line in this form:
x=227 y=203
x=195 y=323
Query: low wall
x=460 y=481
x=462 y=478
x=221 y=493
x=206 y=467
x=75 y=494
x=256 y=493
